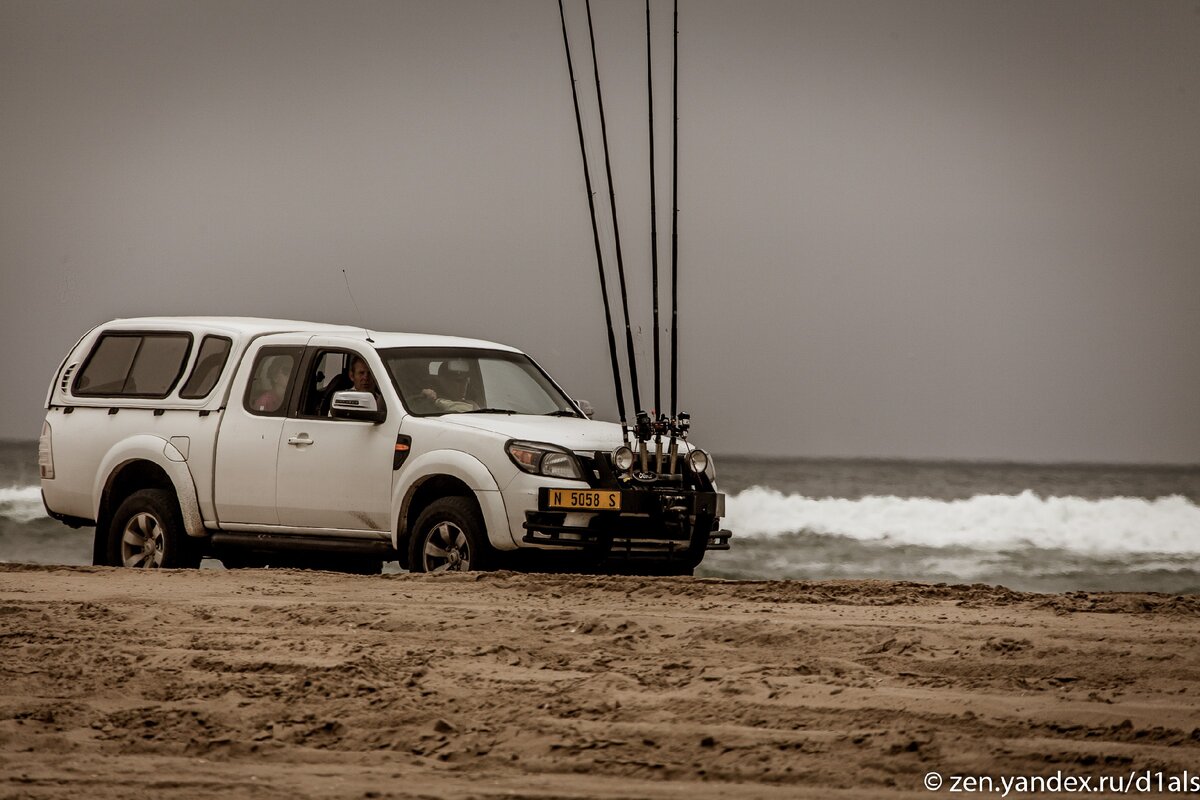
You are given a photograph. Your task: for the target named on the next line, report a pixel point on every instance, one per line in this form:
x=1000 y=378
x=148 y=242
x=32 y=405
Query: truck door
x=248 y=440
x=337 y=473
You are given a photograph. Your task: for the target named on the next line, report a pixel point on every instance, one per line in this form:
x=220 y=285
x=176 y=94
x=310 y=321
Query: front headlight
x=538 y=458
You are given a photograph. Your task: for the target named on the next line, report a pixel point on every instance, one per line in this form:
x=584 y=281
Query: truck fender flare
x=165 y=456
x=464 y=467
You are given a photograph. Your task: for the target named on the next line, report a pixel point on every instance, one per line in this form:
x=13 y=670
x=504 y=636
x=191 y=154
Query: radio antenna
x=361 y=322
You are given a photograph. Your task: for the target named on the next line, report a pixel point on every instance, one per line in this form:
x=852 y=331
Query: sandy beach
x=309 y=684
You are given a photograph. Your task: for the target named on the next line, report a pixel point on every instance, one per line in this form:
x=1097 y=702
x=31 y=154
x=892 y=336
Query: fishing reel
x=662 y=426
x=644 y=427
x=647 y=427
x=639 y=463
x=681 y=425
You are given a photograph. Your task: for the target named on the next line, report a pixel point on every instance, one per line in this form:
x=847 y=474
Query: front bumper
x=654 y=523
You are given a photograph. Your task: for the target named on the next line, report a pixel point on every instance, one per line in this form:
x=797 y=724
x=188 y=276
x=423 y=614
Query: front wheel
x=147 y=532
x=449 y=536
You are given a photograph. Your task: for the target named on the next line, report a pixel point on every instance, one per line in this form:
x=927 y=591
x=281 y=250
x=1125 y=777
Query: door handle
x=300 y=441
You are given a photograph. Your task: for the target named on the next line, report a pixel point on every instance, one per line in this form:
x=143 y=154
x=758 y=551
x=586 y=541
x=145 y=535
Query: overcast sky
x=907 y=229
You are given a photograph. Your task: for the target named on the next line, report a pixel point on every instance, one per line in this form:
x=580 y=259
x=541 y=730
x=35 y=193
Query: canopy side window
x=210 y=362
x=134 y=365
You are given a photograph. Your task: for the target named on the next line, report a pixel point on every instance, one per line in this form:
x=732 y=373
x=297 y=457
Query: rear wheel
x=449 y=537
x=147 y=532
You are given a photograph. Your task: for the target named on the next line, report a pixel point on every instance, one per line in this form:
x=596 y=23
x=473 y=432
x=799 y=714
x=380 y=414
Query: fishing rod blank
x=653 y=216
x=612 y=200
x=587 y=177
x=658 y=425
x=677 y=423
x=675 y=218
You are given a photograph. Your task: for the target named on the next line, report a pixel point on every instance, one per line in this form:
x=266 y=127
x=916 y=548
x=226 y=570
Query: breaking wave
x=21 y=503
x=1107 y=527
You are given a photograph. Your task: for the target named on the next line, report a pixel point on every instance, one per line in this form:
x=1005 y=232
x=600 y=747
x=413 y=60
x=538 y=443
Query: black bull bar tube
x=652 y=523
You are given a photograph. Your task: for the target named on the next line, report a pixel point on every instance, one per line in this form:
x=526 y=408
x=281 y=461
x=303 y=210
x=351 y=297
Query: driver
x=360 y=376
x=452 y=396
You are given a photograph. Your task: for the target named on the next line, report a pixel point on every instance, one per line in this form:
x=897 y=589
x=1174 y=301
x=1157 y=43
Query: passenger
x=278 y=372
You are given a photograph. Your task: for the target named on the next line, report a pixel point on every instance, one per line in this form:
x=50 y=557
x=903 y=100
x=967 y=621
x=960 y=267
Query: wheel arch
x=146 y=462
x=448 y=473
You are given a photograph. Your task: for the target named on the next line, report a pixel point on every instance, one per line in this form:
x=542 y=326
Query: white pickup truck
x=275 y=442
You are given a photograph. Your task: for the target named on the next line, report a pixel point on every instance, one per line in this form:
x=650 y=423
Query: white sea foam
x=1109 y=527
x=21 y=503
x=1113 y=526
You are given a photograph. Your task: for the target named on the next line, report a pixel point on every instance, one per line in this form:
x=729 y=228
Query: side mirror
x=586 y=408
x=361 y=406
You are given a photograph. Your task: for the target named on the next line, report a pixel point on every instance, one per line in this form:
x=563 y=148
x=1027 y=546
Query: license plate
x=584 y=500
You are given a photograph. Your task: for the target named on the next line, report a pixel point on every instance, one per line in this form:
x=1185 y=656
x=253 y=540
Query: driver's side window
x=328 y=373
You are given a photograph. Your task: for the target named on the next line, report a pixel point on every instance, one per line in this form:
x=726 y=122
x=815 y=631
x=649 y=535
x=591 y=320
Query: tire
x=449 y=537
x=147 y=532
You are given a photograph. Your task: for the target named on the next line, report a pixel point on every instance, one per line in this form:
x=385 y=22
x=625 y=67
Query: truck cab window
x=330 y=372
x=267 y=392
x=326 y=376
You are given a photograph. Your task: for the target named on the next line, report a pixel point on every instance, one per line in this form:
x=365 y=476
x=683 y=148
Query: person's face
x=360 y=376
x=456 y=384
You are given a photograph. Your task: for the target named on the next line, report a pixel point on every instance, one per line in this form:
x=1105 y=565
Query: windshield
x=452 y=380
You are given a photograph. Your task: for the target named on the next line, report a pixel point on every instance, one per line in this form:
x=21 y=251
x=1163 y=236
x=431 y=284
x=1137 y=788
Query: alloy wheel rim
x=142 y=542
x=447 y=549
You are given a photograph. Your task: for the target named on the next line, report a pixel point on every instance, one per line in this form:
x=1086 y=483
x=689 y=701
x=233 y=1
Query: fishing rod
x=660 y=418
x=643 y=421
x=587 y=177
x=679 y=422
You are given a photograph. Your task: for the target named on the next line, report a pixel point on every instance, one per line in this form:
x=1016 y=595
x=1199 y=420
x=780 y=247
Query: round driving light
x=698 y=461
x=622 y=458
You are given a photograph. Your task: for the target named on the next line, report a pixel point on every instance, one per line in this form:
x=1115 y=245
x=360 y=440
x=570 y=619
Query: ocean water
x=1029 y=527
